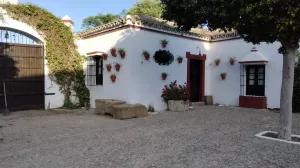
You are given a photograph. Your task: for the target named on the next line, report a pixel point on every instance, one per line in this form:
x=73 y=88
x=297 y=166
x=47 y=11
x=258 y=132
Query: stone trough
x=120 y=109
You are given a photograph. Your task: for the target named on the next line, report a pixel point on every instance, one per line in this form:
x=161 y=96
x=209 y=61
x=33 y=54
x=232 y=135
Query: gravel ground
x=207 y=136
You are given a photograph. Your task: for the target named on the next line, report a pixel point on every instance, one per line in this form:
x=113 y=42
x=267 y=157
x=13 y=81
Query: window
x=255 y=80
x=94 y=71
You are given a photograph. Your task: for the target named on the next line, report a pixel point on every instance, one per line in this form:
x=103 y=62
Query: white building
x=253 y=81
x=8 y=1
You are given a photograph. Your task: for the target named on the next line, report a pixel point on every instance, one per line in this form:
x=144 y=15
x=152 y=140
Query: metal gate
x=21 y=71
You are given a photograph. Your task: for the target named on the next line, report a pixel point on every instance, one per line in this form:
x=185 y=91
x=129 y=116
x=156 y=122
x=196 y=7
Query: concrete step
x=197 y=103
x=127 y=111
x=105 y=106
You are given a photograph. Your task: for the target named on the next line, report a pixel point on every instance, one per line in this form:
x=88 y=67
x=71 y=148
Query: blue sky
x=79 y=9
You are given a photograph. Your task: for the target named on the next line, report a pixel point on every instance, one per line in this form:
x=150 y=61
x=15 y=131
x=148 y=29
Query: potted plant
x=217 y=61
x=113 y=78
x=232 y=60
x=179 y=59
x=146 y=55
x=113 y=52
x=164 y=76
x=223 y=75
x=122 y=52
x=105 y=56
x=117 y=66
x=164 y=43
x=176 y=96
x=108 y=67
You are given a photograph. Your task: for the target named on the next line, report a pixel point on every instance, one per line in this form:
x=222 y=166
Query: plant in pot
x=105 y=56
x=113 y=78
x=179 y=59
x=176 y=96
x=122 y=52
x=223 y=75
x=217 y=61
x=117 y=66
x=146 y=55
x=164 y=76
x=113 y=52
x=232 y=60
x=164 y=43
x=108 y=67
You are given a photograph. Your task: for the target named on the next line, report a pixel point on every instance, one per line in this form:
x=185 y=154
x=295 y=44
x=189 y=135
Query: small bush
x=175 y=92
x=151 y=108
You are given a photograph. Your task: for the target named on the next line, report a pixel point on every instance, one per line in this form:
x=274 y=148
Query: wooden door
x=22 y=72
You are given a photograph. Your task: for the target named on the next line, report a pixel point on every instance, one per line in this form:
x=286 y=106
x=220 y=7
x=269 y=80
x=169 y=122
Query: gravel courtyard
x=207 y=136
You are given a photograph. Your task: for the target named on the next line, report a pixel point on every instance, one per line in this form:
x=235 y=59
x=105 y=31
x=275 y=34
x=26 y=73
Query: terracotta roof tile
x=163 y=25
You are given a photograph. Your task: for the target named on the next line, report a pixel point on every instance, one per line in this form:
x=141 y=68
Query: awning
x=94 y=53
x=254 y=57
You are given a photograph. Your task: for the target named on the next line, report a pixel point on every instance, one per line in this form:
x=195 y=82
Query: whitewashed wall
x=228 y=91
x=51 y=101
x=140 y=81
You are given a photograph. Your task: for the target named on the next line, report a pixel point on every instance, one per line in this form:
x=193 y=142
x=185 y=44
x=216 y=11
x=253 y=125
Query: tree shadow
x=21 y=78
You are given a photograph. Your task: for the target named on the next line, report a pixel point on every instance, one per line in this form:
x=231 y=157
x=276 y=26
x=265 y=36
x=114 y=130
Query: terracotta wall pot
x=164 y=45
x=223 y=77
x=163 y=77
x=108 y=68
x=118 y=68
x=147 y=57
x=179 y=61
x=178 y=105
x=123 y=55
x=105 y=56
x=232 y=62
x=217 y=63
x=113 y=79
x=113 y=53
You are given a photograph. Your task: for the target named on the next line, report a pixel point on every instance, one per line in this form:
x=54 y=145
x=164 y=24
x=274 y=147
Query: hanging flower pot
x=164 y=76
x=217 y=61
x=179 y=59
x=108 y=67
x=164 y=43
x=232 y=60
x=122 y=52
x=223 y=75
x=113 y=78
x=105 y=56
x=117 y=67
x=146 y=55
x=113 y=52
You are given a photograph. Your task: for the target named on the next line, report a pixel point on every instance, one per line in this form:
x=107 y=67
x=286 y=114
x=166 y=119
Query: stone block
x=178 y=105
x=127 y=111
x=208 y=100
x=105 y=106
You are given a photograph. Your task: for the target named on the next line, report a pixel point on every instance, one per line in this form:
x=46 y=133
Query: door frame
x=189 y=57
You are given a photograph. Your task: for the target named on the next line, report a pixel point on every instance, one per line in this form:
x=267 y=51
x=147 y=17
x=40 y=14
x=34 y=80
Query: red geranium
x=175 y=92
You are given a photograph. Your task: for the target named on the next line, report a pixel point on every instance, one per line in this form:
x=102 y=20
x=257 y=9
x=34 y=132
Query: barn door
x=21 y=71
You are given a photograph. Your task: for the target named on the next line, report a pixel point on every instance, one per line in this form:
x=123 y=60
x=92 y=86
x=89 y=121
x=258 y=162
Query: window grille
x=94 y=70
x=8 y=35
x=252 y=80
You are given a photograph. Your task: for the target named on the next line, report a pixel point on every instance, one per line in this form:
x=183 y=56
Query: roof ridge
x=163 y=25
